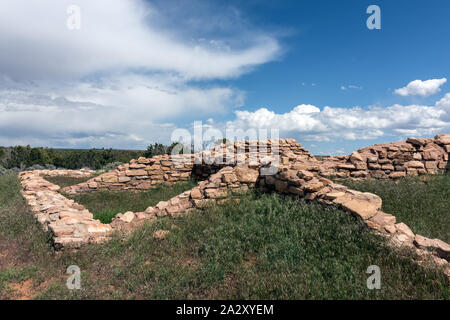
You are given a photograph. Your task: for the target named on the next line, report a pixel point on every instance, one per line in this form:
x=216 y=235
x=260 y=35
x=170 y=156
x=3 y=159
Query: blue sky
x=135 y=71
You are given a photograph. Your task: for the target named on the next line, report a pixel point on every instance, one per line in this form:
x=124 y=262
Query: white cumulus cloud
x=308 y=122
x=422 y=88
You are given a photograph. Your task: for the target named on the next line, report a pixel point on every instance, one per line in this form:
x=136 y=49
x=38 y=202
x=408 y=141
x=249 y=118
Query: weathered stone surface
x=346 y=166
x=414 y=164
x=405 y=230
x=137 y=165
x=364 y=205
x=356 y=157
x=417 y=141
x=381 y=220
x=442 y=139
x=229 y=178
x=313 y=186
x=196 y=194
x=215 y=193
x=123 y=179
x=434 y=245
x=442 y=249
x=304 y=174
x=137 y=172
x=334 y=195
x=398 y=174
x=127 y=216
x=110 y=178
x=245 y=174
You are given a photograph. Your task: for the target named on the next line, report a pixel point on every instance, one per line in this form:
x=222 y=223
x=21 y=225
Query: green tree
x=155 y=149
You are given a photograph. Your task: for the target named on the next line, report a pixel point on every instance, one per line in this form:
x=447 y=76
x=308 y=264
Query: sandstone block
x=356 y=157
x=196 y=194
x=373 y=166
x=137 y=172
x=306 y=175
x=359 y=174
x=162 y=205
x=229 y=178
x=137 y=166
x=245 y=174
x=431 y=164
x=365 y=205
x=215 y=193
x=127 y=217
x=431 y=154
x=334 y=195
x=372 y=159
x=416 y=141
x=123 y=179
x=99 y=228
x=389 y=167
x=404 y=229
x=110 y=178
x=92 y=185
x=313 y=186
x=381 y=220
x=346 y=166
x=414 y=164
x=398 y=174
x=443 y=139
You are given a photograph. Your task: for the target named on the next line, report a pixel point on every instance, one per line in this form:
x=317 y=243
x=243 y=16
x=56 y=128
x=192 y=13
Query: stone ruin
x=282 y=166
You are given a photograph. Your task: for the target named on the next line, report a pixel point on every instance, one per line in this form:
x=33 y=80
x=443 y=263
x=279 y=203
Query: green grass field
x=66 y=181
x=104 y=205
x=423 y=203
x=265 y=247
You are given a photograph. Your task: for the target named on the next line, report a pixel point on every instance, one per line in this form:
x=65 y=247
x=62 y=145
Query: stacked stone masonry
x=415 y=156
x=69 y=222
x=297 y=173
x=146 y=173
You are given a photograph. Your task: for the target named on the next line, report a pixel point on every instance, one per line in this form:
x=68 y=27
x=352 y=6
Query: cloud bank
x=307 y=122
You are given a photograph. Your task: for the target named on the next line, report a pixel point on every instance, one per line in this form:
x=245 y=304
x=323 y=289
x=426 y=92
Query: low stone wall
x=392 y=160
x=216 y=189
x=69 y=222
x=146 y=173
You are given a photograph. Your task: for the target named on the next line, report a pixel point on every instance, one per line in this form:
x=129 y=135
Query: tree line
x=23 y=157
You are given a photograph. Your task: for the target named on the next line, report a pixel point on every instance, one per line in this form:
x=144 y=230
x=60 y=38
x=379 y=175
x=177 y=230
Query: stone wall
x=392 y=160
x=69 y=222
x=146 y=173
